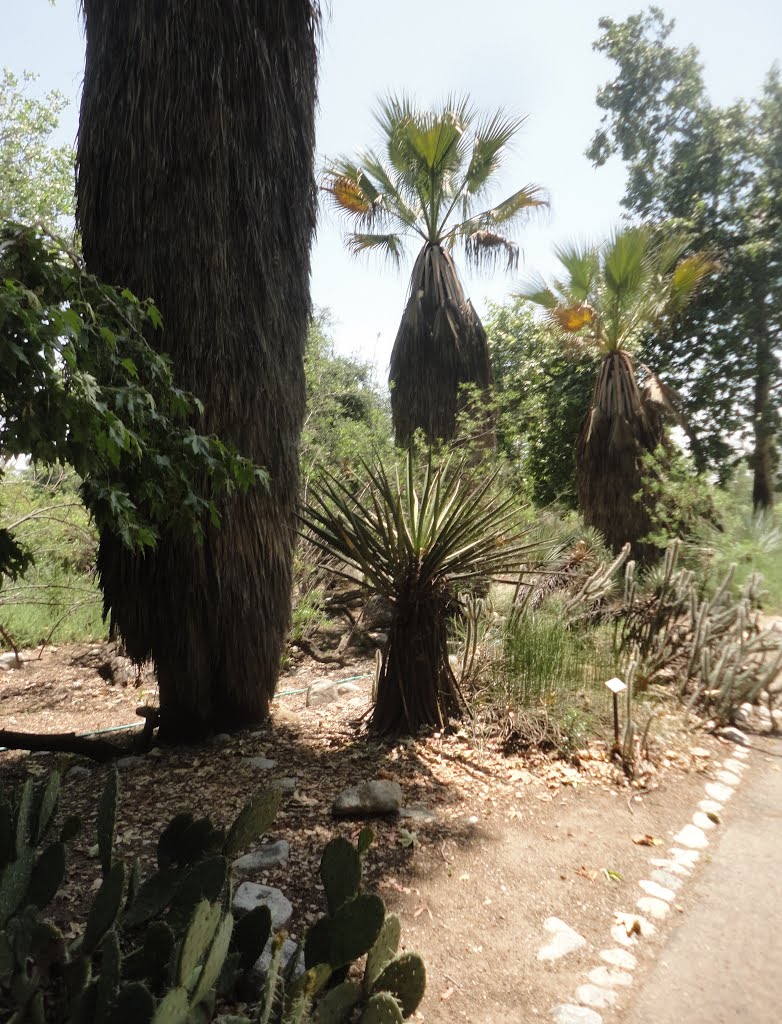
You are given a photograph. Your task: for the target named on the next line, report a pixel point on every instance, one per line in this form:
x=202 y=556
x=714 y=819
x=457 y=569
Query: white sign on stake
x=616 y=685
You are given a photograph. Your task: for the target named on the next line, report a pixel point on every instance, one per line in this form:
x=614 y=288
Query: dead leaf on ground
x=647 y=840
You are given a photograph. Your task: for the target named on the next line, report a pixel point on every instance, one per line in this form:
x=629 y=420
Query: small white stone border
x=657 y=893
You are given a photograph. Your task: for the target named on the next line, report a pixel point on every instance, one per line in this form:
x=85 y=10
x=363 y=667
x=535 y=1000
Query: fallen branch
x=316 y=654
x=62 y=742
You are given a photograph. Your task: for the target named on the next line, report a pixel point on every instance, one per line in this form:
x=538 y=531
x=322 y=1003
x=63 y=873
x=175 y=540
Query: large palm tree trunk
x=440 y=347
x=196 y=186
x=619 y=429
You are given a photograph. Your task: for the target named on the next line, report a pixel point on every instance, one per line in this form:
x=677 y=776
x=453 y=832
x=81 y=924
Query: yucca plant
x=419 y=539
x=610 y=297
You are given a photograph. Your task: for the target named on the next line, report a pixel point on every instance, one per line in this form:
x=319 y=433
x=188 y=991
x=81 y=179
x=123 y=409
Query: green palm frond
x=492 y=138
x=432 y=165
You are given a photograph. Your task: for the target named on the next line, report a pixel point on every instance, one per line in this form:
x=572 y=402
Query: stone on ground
x=718 y=791
x=567 y=1013
x=250 y=895
x=735 y=735
x=703 y=821
x=597 y=998
x=263 y=764
x=286 y=786
x=656 y=908
x=604 y=977
x=660 y=892
x=727 y=778
x=666 y=879
x=619 y=958
x=379 y=796
x=692 y=837
x=565 y=940
x=269 y=856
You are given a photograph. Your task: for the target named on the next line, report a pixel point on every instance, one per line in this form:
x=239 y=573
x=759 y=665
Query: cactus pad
x=253 y=820
x=215 y=960
x=383 y=951
x=105 y=907
x=404 y=978
x=174 y=1008
x=198 y=937
x=340 y=872
x=134 y=1005
x=337 y=1004
x=47 y=876
x=250 y=935
x=355 y=928
x=107 y=816
x=153 y=896
x=381 y=1009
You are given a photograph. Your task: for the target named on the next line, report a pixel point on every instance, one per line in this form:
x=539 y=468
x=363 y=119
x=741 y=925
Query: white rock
x=658 y=891
x=9 y=661
x=658 y=909
x=250 y=895
x=619 y=934
x=734 y=765
x=286 y=785
x=703 y=821
x=565 y=940
x=567 y=1013
x=269 y=856
x=348 y=689
x=380 y=796
x=261 y=966
x=619 y=958
x=710 y=806
x=717 y=791
x=693 y=837
x=727 y=778
x=665 y=878
x=263 y=764
x=673 y=866
x=687 y=858
x=420 y=814
x=597 y=998
x=321 y=691
x=605 y=977
x=132 y=761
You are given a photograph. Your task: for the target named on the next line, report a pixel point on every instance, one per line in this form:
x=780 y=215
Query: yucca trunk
x=416 y=686
x=440 y=346
x=196 y=186
x=619 y=429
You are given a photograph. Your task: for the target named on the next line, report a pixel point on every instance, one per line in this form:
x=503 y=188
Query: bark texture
x=195 y=185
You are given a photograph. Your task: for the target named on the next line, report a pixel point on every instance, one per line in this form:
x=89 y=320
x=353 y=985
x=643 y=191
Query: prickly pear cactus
x=336 y=1006
x=383 y=951
x=253 y=820
x=107 y=817
x=405 y=979
x=381 y=1009
x=340 y=872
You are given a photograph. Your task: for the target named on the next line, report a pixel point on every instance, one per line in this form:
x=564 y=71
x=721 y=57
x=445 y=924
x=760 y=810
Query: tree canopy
x=36 y=177
x=80 y=385
x=714 y=171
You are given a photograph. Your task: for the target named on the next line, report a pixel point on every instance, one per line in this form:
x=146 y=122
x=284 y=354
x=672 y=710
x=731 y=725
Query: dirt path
x=720 y=963
x=500 y=844
x=476 y=909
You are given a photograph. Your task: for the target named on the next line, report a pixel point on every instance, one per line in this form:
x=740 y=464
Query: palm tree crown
x=615 y=293
x=429 y=180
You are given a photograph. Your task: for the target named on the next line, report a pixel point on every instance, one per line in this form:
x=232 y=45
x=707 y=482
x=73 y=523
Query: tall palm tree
x=610 y=296
x=429 y=182
x=196 y=185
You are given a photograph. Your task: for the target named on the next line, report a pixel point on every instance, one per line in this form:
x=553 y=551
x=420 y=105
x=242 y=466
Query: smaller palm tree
x=429 y=183
x=418 y=540
x=611 y=296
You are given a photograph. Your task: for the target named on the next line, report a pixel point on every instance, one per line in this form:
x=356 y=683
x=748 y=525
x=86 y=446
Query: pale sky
x=534 y=59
